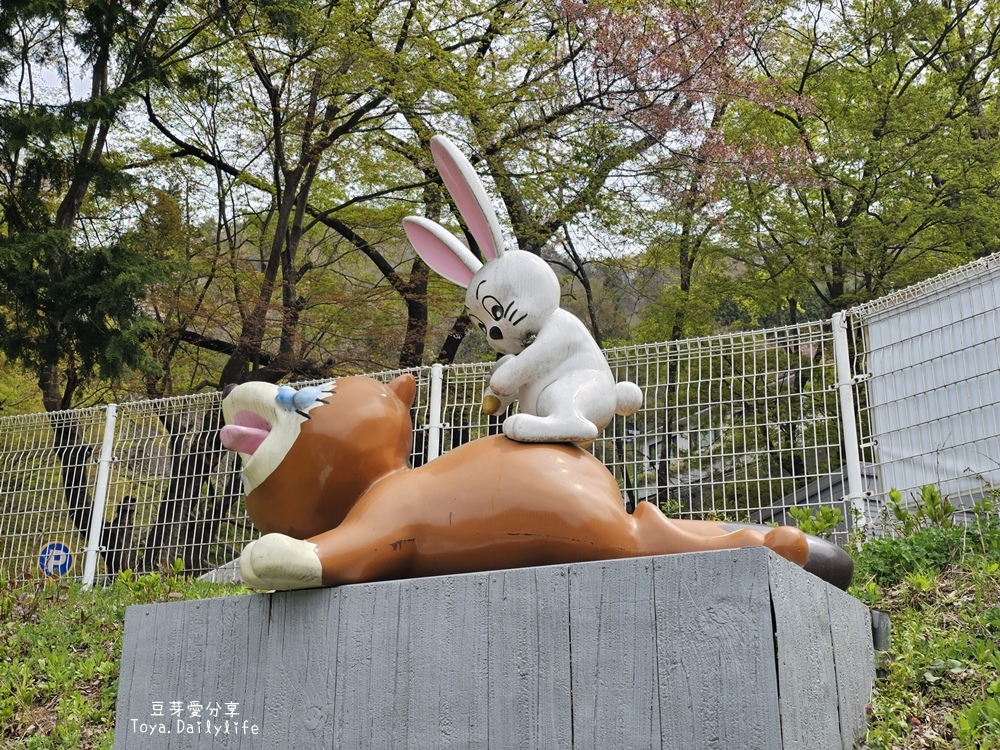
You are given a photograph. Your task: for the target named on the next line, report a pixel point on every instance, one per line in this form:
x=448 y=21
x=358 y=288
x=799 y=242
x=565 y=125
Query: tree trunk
x=415 y=295
x=192 y=508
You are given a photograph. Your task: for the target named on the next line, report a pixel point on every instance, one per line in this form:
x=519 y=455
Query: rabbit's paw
x=526 y=428
x=505 y=378
x=279 y=562
x=501 y=362
x=495 y=404
x=503 y=387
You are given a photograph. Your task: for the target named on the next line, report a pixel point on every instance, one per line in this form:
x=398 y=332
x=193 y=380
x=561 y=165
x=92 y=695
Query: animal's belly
x=528 y=395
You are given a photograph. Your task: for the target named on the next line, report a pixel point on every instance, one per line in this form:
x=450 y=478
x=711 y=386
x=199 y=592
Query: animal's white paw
x=526 y=428
x=279 y=562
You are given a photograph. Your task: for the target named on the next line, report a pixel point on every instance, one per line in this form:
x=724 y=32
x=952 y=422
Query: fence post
x=96 y=529
x=848 y=417
x=434 y=424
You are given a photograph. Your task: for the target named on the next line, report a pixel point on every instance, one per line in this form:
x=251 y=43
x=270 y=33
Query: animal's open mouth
x=246 y=432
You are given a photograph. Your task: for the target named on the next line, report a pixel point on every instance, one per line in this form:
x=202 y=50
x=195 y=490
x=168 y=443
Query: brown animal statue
x=327 y=481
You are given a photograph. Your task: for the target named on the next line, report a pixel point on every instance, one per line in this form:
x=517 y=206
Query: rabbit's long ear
x=441 y=250
x=469 y=195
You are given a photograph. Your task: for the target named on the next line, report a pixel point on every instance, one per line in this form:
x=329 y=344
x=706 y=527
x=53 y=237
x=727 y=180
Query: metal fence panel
x=739 y=426
x=47 y=477
x=174 y=492
x=929 y=357
x=736 y=426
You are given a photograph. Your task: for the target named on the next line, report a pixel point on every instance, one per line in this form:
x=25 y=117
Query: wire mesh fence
x=898 y=394
x=46 y=464
x=732 y=425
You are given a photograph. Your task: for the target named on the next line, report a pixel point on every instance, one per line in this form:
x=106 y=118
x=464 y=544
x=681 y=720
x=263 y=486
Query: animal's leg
x=527 y=428
x=789 y=542
x=280 y=562
x=371 y=548
x=572 y=409
x=658 y=535
x=346 y=554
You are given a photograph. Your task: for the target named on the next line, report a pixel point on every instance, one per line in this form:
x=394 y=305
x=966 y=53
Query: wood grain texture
x=666 y=652
x=371 y=673
x=299 y=668
x=445 y=655
x=854 y=662
x=209 y=651
x=716 y=651
x=613 y=655
x=529 y=659
x=807 y=693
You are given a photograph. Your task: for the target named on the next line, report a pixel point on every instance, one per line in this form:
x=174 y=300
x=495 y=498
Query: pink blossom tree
x=683 y=68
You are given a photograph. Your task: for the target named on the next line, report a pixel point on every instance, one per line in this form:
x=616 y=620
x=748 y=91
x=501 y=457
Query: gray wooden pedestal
x=733 y=650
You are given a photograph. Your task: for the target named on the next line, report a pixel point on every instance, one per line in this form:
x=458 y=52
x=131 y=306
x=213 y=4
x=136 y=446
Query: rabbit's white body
x=562 y=383
x=551 y=364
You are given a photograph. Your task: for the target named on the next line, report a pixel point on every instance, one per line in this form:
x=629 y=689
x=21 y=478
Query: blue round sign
x=55 y=559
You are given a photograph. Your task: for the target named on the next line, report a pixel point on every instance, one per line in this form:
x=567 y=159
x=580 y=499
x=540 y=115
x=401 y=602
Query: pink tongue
x=242 y=439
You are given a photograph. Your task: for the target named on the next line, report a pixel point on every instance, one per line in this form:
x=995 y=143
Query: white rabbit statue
x=551 y=365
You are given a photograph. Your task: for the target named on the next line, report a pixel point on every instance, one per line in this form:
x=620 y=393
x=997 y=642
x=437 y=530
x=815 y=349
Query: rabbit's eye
x=482 y=328
x=492 y=306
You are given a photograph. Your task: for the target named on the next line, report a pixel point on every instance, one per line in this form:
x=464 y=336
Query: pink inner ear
x=436 y=254
x=474 y=205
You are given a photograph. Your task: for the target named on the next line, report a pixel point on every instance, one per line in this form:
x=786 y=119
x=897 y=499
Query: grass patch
x=939 y=684
x=60 y=651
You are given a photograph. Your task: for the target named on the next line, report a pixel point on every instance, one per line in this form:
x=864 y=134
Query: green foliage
x=925 y=539
x=72 y=287
x=821 y=522
x=60 y=648
x=930 y=510
x=61 y=301
x=18 y=392
x=890 y=559
x=884 y=154
x=979 y=723
x=939 y=684
x=301 y=199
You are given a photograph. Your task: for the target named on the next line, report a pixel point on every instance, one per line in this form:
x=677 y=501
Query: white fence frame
x=740 y=426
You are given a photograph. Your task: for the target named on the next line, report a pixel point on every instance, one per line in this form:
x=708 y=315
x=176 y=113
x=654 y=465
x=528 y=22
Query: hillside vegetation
x=219 y=197
x=938 y=686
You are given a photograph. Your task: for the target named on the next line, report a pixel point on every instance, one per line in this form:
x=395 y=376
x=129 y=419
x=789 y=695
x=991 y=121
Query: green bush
x=821 y=521
x=925 y=539
x=888 y=560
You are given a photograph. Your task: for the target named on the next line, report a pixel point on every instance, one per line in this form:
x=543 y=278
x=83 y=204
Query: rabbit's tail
x=629 y=398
